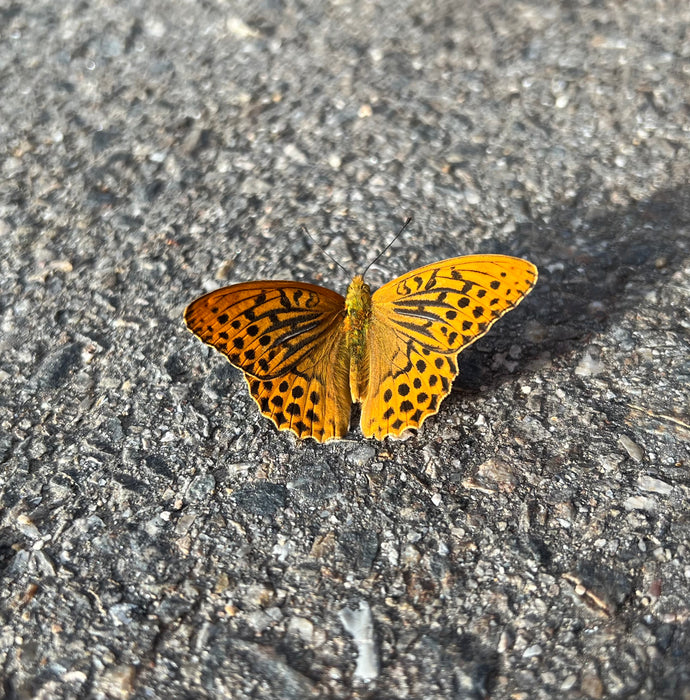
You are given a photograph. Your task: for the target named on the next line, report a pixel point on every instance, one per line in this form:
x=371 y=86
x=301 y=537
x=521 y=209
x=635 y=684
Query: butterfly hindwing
x=313 y=399
x=410 y=383
x=289 y=341
x=421 y=321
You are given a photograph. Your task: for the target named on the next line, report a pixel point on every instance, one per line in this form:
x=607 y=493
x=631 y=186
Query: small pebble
x=632 y=448
x=652 y=485
x=640 y=503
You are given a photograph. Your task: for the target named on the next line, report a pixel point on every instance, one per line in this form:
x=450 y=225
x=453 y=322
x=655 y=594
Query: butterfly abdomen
x=357 y=320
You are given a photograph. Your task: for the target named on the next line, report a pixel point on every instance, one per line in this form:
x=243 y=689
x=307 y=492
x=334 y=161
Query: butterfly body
x=356 y=326
x=308 y=353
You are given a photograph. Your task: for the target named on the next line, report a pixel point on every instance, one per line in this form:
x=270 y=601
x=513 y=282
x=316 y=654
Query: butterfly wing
x=421 y=322
x=288 y=339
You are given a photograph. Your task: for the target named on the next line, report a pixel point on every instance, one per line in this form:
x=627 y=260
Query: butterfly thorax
x=357 y=319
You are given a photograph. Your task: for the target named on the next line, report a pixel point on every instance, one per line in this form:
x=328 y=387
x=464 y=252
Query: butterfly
x=307 y=353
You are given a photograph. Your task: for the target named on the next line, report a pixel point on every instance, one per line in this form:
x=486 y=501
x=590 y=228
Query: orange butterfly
x=307 y=353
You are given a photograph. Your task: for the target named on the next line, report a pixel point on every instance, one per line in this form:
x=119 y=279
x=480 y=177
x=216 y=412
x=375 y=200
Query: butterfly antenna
x=395 y=238
x=326 y=253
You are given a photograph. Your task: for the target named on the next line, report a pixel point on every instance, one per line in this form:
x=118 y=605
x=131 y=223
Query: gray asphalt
x=158 y=537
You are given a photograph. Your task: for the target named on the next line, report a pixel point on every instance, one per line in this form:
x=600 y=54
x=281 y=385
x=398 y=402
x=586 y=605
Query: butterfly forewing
x=288 y=339
x=266 y=328
x=421 y=321
x=448 y=305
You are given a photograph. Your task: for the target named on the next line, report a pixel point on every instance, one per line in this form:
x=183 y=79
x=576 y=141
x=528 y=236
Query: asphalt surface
x=158 y=537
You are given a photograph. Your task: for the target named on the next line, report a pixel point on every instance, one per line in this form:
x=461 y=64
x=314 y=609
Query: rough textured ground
x=158 y=537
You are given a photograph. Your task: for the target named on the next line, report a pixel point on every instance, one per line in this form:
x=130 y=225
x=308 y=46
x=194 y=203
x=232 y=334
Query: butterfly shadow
x=592 y=272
